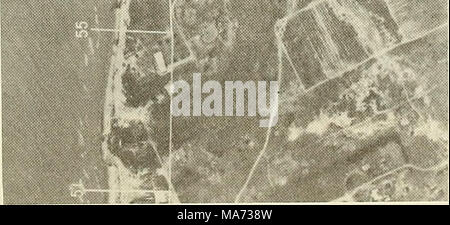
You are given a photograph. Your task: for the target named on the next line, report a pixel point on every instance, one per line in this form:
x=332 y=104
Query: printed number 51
x=81 y=29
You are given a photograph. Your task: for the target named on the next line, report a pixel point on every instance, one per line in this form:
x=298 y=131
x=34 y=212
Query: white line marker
x=129 y=31
x=78 y=190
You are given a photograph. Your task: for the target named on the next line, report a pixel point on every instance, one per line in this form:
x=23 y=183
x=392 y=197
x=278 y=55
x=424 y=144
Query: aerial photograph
x=224 y=101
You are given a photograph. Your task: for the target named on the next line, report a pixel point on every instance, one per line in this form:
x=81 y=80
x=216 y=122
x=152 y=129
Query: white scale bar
x=129 y=31
x=119 y=191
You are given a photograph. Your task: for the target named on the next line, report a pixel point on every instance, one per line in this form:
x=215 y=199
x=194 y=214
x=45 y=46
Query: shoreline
x=124 y=185
x=114 y=167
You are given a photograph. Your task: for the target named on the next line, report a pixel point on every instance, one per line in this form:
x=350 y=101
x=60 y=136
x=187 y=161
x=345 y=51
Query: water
x=53 y=92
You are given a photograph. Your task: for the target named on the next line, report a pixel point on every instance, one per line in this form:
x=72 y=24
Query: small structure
x=160 y=63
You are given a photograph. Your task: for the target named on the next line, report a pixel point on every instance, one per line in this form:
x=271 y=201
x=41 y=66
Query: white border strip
x=1 y=131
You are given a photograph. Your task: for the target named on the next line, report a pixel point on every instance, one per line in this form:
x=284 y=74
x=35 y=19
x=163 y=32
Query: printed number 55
x=81 y=29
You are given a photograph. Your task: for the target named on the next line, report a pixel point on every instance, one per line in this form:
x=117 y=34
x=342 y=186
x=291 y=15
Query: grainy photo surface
x=224 y=101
